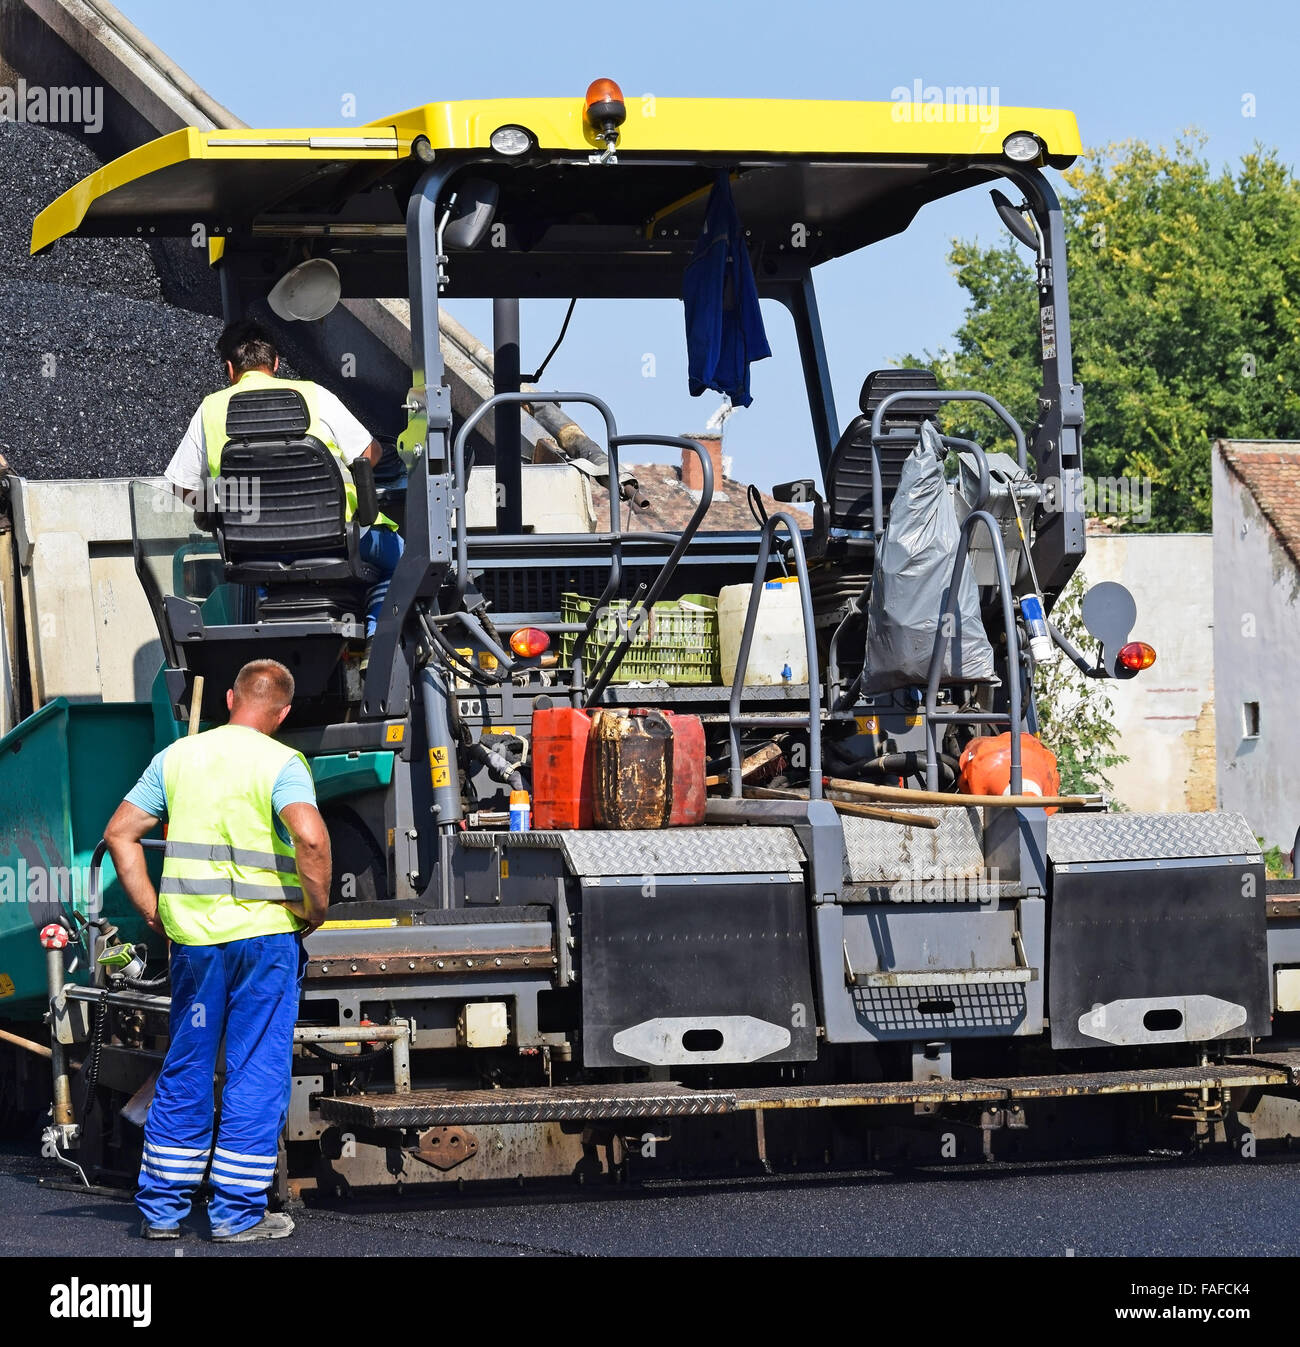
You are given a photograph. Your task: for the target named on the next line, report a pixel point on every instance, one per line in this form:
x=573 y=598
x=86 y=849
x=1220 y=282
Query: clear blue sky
x=1145 y=70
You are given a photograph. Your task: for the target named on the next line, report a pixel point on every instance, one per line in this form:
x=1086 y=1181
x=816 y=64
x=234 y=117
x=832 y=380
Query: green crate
x=675 y=644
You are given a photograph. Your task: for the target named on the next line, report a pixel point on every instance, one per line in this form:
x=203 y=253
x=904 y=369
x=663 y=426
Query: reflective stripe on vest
x=231 y=888
x=213 y=417
x=226 y=870
x=198 y=851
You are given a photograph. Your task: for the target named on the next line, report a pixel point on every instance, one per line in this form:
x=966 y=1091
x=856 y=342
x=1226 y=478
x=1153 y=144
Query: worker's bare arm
x=125 y=829
x=312 y=842
x=372 y=453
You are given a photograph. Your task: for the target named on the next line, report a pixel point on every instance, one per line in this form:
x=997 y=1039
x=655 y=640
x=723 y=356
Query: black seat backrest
x=282 y=492
x=848 y=480
x=262 y=413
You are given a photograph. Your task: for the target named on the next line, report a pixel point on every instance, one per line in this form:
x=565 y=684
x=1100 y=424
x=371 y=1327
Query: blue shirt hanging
x=724 y=325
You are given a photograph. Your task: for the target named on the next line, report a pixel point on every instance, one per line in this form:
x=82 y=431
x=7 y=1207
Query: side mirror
x=1015 y=221
x=803 y=491
x=1109 y=613
x=471 y=214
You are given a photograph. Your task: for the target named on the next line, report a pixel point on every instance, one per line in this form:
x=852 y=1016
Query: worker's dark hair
x=246 y=345
x=266 y=681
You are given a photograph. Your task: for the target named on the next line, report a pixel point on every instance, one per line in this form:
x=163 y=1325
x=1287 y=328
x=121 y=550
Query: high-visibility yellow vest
x=213 y=413
x=226 y=871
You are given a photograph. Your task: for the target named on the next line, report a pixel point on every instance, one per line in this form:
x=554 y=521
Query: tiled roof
x=1270 y=471
x=672 y=504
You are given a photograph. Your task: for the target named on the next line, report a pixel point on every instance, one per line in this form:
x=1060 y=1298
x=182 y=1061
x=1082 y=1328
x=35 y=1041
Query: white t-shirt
x=189 y=465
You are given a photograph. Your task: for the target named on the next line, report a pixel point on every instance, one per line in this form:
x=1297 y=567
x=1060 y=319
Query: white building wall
x=1257 y=659
x=1165 y=715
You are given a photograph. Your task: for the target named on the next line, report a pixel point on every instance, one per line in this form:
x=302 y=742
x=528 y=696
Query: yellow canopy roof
x=227 y=180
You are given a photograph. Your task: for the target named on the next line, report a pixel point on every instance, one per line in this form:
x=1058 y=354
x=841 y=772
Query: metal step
x=943 y=977
x=579 y=1103
x=559 y=1103
x=1287 y=1061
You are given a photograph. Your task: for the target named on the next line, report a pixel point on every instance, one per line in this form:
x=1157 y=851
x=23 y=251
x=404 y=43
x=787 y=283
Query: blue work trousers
x=248 y=991
x=382 y=548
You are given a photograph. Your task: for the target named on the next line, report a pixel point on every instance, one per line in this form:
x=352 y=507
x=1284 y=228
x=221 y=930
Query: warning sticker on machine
x=1047 y=329
x=6 y=985
x=438 y=766
x=394 y=734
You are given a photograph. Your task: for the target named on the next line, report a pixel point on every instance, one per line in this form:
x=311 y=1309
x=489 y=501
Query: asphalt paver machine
x=785 y=979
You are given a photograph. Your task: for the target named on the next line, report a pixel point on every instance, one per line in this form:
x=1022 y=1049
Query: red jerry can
x=562 y=769
x=688 y=792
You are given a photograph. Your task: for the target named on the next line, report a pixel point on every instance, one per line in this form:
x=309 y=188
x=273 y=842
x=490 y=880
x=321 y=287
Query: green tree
x=1185 y=315
x=1074 y=711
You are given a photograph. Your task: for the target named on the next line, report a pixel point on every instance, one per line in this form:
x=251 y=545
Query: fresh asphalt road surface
x=1122 y=1206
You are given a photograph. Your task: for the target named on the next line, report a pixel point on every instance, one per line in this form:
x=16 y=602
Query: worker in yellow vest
x=246 y=872
x=251 y=361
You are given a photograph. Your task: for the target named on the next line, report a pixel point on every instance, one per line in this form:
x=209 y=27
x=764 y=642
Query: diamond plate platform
x=1074 y=839
x=581 y=1103
x=668 y=851
x=878 y=853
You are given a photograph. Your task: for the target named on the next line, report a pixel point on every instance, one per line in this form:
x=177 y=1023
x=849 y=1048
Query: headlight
x=1022 y=147
x=511 y=140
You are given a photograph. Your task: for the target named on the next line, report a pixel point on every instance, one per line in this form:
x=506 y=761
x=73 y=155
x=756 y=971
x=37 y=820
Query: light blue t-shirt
x=293 y=786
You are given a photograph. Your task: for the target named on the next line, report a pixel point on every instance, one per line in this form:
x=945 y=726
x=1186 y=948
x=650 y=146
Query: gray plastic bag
x=912 y=570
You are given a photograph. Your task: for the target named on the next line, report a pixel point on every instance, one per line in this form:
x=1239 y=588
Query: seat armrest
x=363 y=478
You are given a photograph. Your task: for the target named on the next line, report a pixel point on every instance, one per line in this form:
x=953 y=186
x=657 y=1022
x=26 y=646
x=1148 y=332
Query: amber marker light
x=530 y=641
x=1137 y=655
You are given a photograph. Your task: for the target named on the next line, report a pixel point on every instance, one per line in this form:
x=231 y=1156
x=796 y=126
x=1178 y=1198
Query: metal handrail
x=931 y=395
x=607 y=666
x=942 y=638
x=956 y=442
x=462 y=485
x=734 y=718
x=97 y=864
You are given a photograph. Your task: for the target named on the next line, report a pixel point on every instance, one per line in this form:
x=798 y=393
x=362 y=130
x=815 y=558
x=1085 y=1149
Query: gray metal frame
x=737 y=721
x=943 y=638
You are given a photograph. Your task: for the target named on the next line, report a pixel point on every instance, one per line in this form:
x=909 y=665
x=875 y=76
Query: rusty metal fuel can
x=632 y=780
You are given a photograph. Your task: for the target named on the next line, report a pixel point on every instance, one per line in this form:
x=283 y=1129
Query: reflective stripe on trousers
x=248 y=990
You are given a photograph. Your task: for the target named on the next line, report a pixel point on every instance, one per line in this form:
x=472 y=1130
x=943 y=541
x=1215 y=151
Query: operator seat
x=290 y=555
x=848 y=478
x=281 y=520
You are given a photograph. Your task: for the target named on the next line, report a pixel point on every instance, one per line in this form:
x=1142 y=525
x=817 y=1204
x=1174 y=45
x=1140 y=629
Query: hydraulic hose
x=146 y=984
x=457 y=662
x=908 y=764
x=501 y=768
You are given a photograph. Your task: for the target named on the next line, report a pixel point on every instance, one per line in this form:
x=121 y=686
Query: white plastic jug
x=777 y=654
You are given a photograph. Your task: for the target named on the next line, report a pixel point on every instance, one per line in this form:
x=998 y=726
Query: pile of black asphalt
x=100 y=367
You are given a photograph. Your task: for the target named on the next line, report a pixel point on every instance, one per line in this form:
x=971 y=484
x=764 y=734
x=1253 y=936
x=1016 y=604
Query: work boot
x=148 y=1231
x=274 y=1225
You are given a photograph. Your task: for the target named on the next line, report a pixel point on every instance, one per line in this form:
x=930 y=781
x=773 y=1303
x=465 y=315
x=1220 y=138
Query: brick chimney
x=691 y=478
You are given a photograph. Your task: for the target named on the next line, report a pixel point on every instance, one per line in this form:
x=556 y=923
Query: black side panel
x=696 y=951
x=1141 y=930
